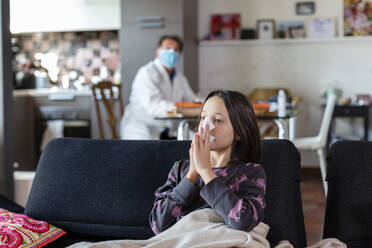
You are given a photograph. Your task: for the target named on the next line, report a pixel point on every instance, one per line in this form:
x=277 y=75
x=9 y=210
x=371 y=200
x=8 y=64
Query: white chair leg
x=323 y=166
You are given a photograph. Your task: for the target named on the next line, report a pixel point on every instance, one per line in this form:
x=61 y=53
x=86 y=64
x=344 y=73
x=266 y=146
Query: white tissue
x=207 y=121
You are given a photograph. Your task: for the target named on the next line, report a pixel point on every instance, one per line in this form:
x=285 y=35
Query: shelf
x=283 y=41
x=51 y=91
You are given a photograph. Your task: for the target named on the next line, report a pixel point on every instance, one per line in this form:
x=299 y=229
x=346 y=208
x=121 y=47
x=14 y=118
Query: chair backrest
x=106 y=187
x=106 y=92
x=349 y=201
x=327 y=118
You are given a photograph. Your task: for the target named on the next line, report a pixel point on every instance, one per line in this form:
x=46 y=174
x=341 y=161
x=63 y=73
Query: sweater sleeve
x=172 y=199
x=240 y=204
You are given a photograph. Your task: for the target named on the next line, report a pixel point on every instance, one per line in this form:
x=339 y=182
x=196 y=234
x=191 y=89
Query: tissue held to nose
x=207 y=121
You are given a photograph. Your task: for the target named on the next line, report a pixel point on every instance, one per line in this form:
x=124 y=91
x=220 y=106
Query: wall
x=306 y=68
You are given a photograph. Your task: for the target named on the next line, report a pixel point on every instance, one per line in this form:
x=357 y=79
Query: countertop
x=51 y=91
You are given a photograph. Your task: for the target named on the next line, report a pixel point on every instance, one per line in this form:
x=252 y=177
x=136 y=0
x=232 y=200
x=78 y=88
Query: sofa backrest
x=283 y=212
x=106 y=187
x=349 y=201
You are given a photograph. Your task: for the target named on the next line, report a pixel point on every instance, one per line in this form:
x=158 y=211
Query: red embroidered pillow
x=18 y=230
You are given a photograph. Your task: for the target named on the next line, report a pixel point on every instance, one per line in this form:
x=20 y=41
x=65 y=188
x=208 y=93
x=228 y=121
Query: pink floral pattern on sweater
x=176 y=212
x=260 y=182
x=155 y=227
x=171 y=177
x=157 y=204
x=260 y=200
x=254 y=210
x=254 y=165
x=236 y=211
x=235 y=186
x=220 y=172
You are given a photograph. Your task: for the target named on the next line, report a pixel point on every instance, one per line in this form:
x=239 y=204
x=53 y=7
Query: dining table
x=286 y=124
x=183 y=127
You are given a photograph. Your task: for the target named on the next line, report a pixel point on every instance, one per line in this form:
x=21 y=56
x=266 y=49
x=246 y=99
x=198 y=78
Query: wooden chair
x=103 y=91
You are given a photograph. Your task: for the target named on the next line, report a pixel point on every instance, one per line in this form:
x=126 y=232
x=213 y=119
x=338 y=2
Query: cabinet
x=33 y=110
x=61 y=16
x=23 y=132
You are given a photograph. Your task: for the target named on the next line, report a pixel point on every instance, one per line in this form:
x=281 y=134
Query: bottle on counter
x=282 y=108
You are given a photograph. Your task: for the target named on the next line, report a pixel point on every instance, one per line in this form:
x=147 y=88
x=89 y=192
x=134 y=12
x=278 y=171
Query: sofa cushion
x=18 y=230
x=106 y=187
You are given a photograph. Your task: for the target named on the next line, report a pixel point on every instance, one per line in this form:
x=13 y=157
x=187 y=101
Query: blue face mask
x=168 y=57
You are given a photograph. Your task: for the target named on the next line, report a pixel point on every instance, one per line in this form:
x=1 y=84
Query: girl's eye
x=217 y=120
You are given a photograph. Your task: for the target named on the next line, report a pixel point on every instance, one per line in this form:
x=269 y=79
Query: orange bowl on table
x=189 y=109
x=189 y=104
x=260 y=108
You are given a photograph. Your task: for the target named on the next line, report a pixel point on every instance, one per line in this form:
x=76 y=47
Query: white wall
x=306 y=68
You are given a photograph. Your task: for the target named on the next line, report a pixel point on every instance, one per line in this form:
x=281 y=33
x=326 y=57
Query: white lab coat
x=152 y=95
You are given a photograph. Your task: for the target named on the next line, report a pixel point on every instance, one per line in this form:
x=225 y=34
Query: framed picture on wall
x=266 y=29
x=321 y=28
x=291 y=29
x=305 y=8
x=357 y=17
x=297 y=32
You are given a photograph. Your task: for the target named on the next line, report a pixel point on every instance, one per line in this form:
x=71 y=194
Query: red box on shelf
x=225 y=27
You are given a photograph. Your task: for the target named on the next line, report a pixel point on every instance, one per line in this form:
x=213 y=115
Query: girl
x=222 y=174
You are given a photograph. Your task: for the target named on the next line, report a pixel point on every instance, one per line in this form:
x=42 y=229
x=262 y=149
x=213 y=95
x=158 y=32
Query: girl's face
x=215 y=109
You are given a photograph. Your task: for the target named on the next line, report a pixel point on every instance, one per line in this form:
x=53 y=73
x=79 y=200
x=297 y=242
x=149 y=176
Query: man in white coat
x=155 y=89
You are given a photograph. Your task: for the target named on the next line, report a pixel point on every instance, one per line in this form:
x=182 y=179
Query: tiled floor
x=313 y=204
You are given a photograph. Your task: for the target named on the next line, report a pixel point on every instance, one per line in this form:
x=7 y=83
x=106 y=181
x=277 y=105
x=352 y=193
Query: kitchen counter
x=37 y=108
x=51 y=91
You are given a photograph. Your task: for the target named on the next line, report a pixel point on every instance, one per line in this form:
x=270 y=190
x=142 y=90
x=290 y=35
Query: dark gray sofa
x=104 y=189
x=349 y=202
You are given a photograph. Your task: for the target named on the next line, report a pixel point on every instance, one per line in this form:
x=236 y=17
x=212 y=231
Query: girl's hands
x=201 y=154
x=192 y=174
